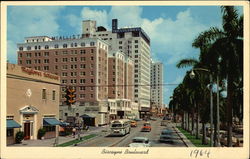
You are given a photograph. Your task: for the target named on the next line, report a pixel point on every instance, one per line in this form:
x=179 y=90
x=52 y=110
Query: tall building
x=120 y=84
x=134 y=43
x=80 y=62
x=32 y=102
x=156 y=84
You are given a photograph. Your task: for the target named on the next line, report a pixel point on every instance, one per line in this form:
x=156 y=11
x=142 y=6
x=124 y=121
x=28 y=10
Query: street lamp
x=192 y=75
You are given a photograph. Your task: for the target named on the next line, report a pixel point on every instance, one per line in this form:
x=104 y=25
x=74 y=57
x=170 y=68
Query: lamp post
x=192 y=75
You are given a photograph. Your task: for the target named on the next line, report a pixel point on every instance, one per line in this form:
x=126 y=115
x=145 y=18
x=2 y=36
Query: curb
x=187 y=142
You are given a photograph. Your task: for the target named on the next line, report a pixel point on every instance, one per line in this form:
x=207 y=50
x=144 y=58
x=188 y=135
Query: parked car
x=152 y=118
x=133 y=123
x=137 y=119
x=166 y=136
x=146 y=127
x=140 y=142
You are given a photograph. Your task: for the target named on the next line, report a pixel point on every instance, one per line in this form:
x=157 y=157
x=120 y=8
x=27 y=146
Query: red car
x=146 y=127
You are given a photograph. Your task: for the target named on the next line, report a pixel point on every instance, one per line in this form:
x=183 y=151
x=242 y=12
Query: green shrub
x=19 y=137
x=41 y=133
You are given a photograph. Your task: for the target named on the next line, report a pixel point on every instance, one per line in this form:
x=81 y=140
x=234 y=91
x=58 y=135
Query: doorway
x=27 y=131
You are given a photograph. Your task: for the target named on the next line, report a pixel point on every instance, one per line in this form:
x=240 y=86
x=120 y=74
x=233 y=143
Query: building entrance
x=27 y=131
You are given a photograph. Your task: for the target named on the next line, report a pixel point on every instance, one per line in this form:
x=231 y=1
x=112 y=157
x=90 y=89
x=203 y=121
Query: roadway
x=104 y=140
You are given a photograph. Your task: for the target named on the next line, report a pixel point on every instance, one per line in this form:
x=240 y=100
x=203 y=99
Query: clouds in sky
x=29 y=21
x=171 y=36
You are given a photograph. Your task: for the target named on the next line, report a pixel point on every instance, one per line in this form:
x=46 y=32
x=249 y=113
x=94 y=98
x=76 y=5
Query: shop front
x=51 y=127
x=11 y=126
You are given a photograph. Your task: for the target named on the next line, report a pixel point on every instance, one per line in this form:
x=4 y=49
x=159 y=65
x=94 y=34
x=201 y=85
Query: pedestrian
x=74 y=132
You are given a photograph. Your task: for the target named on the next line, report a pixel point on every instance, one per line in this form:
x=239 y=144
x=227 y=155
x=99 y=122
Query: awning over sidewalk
x=86 y=116
x=12 y=124
x=50 y=122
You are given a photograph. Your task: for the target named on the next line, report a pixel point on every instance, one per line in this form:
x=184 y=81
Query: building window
x=56 y=46
x=20 y=48
x=120 y=42
x=46 y=60
x=64 y=74
x=28 y=55
x=82 y=44
x=92 y=73
x=65 y=114
x=92 y=80
x=28 y=48
x=10 y=132
x=65 y=45
x=64 y=81
x=92 y=43
x=82 y=80
x=64 y=67
x=92 y=88
x=82 y=73
x=65 y=52
x=136 y=41
x=136 y=51
x=136 y=46
x=46 y=53
x=56 y=59
x=82 y=95
x=46 y=47
x=44 y=94
x=92 y=58
x=92 y=50
x=82 y=51
x=82 y=66
x=56 y=67
x=82 y=88
x=46 y=68
x=120 y=47
x=28 y=61
x=92 y=96
x=20 y=62
x=83 y=58
x=53 y=95
x=35 y=47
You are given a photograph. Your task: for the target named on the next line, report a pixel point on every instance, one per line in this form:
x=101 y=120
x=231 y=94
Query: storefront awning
x=86 y=116
x=50 y=122
x=12 y=124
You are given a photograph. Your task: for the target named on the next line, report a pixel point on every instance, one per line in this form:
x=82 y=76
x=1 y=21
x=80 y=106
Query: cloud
x=100 y=16
x=24 y=21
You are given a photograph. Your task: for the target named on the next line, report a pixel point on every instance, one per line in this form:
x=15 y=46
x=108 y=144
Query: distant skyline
x=170 y=28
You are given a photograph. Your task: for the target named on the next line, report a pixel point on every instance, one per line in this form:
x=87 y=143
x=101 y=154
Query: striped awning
x=12 y=124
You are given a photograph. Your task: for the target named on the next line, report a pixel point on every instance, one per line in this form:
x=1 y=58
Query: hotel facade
x=32 y=102
x=134 y=43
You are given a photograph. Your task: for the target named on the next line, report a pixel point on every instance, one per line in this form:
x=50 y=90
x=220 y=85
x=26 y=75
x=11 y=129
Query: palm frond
x=207 y=37
x=186 y=63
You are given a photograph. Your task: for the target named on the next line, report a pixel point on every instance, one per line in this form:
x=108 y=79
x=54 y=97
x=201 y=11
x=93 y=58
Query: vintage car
x=166 y=136
x=140 y=142
x=133 y=123
x=146 y=127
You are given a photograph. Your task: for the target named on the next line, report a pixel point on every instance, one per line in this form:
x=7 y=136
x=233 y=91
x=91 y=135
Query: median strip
x=72 y=142
x=191 y=138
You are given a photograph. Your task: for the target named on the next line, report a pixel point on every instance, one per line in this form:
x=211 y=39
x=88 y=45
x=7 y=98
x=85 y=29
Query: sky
x=171 y=29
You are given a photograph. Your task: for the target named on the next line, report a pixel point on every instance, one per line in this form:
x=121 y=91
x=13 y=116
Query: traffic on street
x=138 y=135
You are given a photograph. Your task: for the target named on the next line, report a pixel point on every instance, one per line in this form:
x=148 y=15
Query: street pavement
x=104 y=140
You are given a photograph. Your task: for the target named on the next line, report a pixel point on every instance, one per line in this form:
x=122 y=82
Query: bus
x=120 y=127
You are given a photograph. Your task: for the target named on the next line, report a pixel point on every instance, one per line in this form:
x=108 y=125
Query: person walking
x=73 y=132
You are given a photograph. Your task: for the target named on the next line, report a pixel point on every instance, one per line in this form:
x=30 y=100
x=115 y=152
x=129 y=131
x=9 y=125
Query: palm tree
x=226 y=43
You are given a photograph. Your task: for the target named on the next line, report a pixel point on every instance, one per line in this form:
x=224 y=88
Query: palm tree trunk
x=192 y=122
x=197 y=123
x=182 y=120
x=204 y=141
x=188 y=115
x=229 y=109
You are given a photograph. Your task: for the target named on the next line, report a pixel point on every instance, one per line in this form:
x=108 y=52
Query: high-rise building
x=80 y=62
x=156 y=84
x=134 y=43
x=120 y=80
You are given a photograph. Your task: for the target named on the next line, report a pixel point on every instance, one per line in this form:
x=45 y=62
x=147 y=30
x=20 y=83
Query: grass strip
x=72 y=142
x=192 y=138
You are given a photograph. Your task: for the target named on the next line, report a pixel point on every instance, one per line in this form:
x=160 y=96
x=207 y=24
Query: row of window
x=65 y=45
x=65 y=52
x=44 y=94
x=81 y=81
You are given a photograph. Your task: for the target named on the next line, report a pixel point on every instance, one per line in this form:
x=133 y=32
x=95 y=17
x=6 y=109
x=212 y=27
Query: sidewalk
x=61 y=139
x=187 y=142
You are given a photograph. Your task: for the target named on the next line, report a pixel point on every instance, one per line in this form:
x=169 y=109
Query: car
x=152 y=118
x=137 y=119
x=133 y=123
x=146 y=127
x=140 y=142
x=166 y=136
